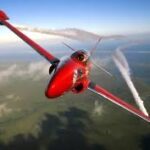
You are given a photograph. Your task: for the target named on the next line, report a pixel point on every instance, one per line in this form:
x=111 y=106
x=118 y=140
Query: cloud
x=10 y=96
x=34 y=71
x=14 y=97
x=4 y=110
x=5 y=74
x=98 y=108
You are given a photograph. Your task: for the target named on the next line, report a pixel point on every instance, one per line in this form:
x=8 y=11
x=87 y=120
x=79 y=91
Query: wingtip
x=3 y=16
x=147 y=119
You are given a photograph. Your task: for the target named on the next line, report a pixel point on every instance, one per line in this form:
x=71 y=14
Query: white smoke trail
x=70 y=33
x=123 y=66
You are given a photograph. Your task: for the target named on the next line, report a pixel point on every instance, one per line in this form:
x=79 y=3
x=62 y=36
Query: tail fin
x=95 y=46
x=3 y=17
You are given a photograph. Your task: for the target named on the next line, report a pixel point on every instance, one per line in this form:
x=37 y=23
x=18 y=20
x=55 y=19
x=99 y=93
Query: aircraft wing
x=3 y=21
x=109 y=96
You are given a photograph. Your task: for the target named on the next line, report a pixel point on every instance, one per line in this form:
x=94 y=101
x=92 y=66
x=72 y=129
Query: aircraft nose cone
x=61 y=82
x=52 y=91
x=58 y=87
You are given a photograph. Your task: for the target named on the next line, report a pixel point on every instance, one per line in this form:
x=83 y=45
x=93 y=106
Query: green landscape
x=28 y=120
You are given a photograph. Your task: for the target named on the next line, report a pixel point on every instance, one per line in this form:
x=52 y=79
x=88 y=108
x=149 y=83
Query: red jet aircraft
x=72 y=73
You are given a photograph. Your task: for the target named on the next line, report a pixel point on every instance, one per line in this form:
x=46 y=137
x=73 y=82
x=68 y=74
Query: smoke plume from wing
x=71 y=33
x=123 y=67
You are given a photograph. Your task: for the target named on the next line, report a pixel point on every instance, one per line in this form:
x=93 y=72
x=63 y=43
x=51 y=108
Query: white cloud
x=4 y=110
x=5 y=74
x=98 y=108
x=13 y=97
x=10 y=96
x=34 y=71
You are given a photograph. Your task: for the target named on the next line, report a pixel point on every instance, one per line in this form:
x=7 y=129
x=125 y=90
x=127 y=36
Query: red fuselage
x=71 y=74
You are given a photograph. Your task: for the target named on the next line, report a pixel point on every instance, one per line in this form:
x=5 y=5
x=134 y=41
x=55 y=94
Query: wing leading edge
x=3 y=21
x=104 y=93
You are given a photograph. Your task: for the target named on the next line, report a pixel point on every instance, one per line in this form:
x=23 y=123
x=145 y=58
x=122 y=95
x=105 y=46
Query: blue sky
x=102 y=16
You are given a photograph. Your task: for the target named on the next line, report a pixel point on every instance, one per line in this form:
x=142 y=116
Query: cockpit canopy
x=81 y=56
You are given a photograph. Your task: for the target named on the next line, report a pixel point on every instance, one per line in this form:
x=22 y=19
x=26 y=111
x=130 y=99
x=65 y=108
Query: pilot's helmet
x=82 y=56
